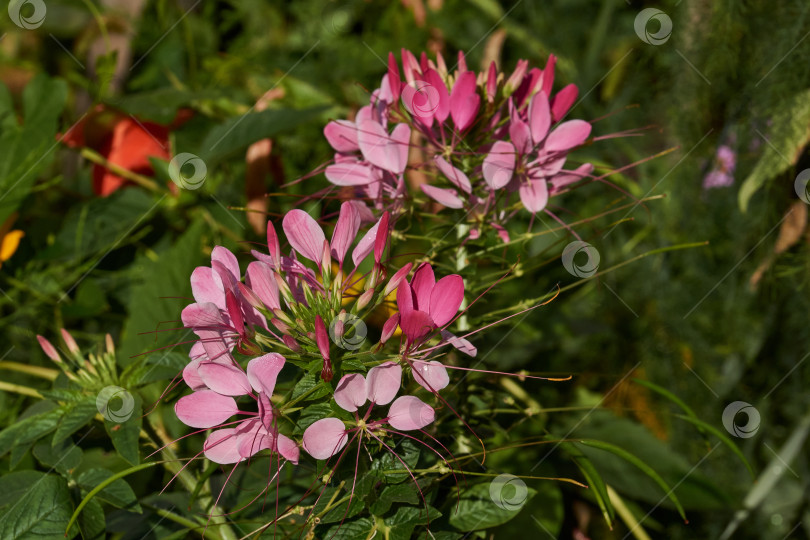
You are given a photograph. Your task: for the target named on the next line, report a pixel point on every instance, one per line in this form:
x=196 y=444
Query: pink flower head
x=425 y=304
x=212 y=404
x=327 y=436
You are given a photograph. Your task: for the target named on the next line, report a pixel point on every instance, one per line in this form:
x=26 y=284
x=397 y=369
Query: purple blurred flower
x=722 y=174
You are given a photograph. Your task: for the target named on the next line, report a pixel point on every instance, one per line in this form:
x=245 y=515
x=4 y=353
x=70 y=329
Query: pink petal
x=346 y=228
x=273 y=247
x=548 y=74
x=422 y=284
x=499 y=165
x=567 y=135
x=432 y=376
x=222 y=447
x=410 y=412
x=456 y=176
x=287 y=448
x=381 y=238
x=386 y=152
x=253 y=440
x=321 y=337
x=260 y=279
x=460 y=344
x=563 y=101
x=263 y=371
x=204 y=314
x=206 y=286
x=205 y=409
x=445 y=197
x=420 y=99
x=383 y=382
x=560 y=181
x=521 y=135
x=396 y=279
x=442 y=109
x=325 y=438
x=415 y=324
x=304 y=234
x=223 y=379
x=492 y=81
x=404 y=297
x=464 y=101
x=534 y=194
x=350 y=173
x=365 y=245
x=227 y=259
x=539 y=116
x=446 y=298
x=342 y=136
x=389 y=328
x=191 y=377
x=394 y=80
x=350 y=393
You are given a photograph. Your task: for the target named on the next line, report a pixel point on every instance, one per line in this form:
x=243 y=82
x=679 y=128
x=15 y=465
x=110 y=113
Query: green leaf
x=477 y=510
x=151 y=300
x=159 y=105
x=351 y=530
x=117 y=493
x=15 y=484
x=786 y=138
x=239 y=132
x=310 y=415
x=124 y=435
x=397 y=493
x=646 y=469
x=63 y=458
x=158 y=366
x=25 y=150
x=29 y=429
x=42 y=512
x=307 y=383
x=77 y=415
x=404 y=521
x=92 y=522
x=104 y=483
x=720 y=435
x=100 y=225
x=407 y=452
x=594 y=480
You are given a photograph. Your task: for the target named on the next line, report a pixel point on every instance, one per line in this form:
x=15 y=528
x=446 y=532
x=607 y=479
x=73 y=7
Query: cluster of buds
x=90 y=371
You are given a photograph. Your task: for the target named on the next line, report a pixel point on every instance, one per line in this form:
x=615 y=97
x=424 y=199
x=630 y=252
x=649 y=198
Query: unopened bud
x=365 y=298
x=69 y=341
x=108 y=342
x=48 y=349
x=291 y=343
x=389 y=327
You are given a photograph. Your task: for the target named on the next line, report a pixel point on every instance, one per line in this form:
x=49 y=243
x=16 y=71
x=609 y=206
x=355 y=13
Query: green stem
x=36 y=371
x=19 y=389
x=189 y=481
x=98 y=159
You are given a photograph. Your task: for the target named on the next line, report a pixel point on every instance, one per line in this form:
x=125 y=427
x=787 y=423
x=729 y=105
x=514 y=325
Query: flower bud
x=49 y=349
x=365 y=298
x=389 y=327
x=69 y=341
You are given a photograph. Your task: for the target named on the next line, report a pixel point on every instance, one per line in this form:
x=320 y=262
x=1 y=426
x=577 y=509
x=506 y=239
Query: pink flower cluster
x=487 y=136
x=282 y=305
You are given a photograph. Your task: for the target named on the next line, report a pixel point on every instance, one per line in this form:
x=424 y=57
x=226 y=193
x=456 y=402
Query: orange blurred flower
x=122 y=140
x=9 y=239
